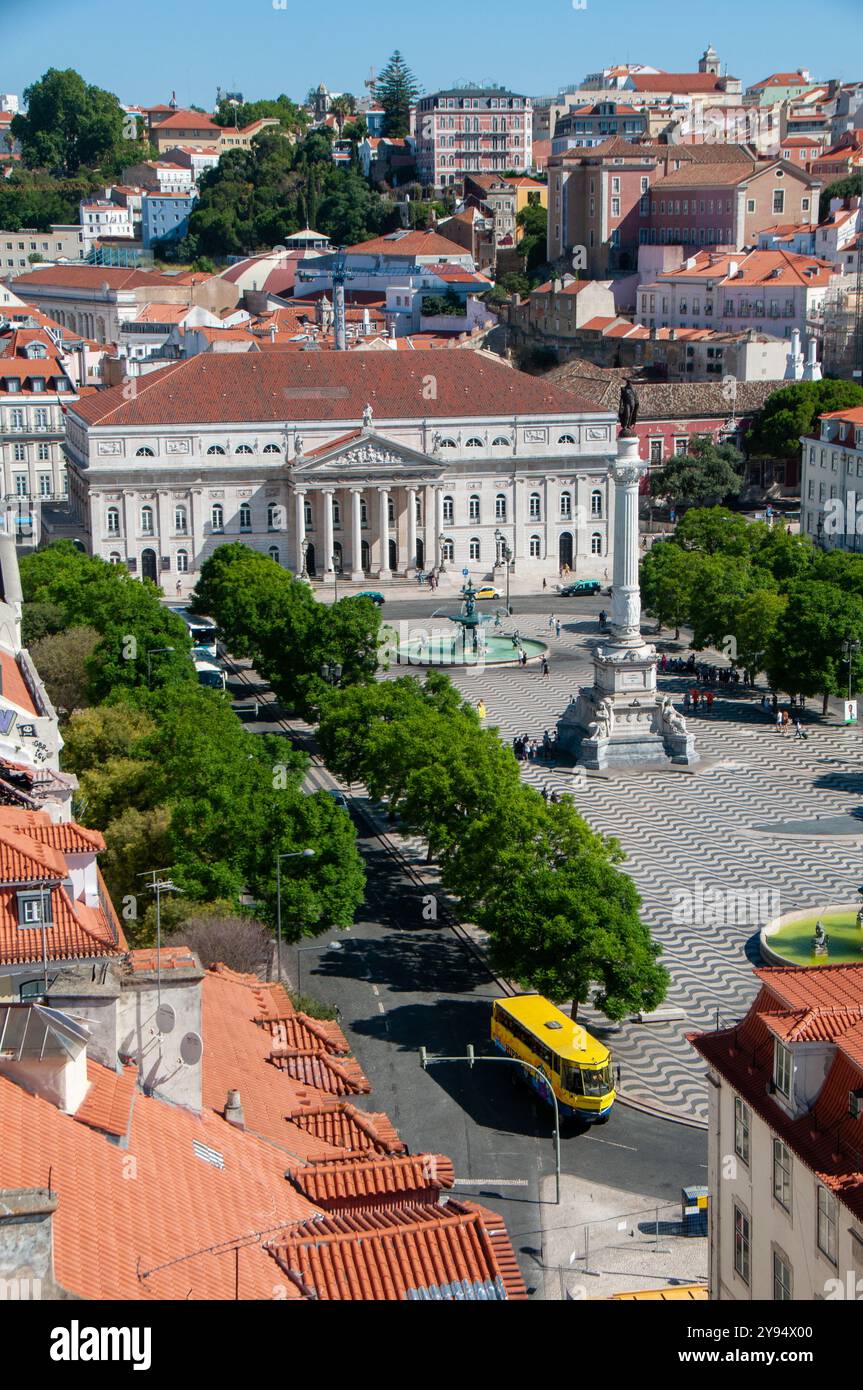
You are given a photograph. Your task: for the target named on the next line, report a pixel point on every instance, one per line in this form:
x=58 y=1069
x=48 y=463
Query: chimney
x=812 y=370
x=27 y=1244
x=557 y=286
x=733 y=268
x=234 y=1110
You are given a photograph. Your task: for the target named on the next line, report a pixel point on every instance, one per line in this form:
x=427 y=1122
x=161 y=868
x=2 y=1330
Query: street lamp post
x=299 y=854
x=471 y=1058
x=334 y=561
x=506 y=559
x=154 y=651
x=304 y=550
x=331 y=672
x=850 y=648
x=330 y=946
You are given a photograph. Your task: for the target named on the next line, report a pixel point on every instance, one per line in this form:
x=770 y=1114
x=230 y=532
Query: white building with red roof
x=785 y=1154
x=383 y=461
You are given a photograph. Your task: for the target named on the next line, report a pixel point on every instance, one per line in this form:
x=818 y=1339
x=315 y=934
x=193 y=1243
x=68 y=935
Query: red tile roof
x=822 y=1003
x=69 y=837
x=340 y=1126
x=451 y=1253
x=676 y=82
x=407 y=244
x=364 y=1181
x=220 y=388
x=14 y=686
x=88 y=277
x=187 y=120
x=107 y=1105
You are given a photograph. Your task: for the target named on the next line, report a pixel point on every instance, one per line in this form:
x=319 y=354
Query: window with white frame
x=112 y=521
x=566 y=505
x=742 y=1243
x=472 y=507
x=147 y=521
x=182 y=562
x=500 y=507
x=215 y=449
x=782 y=1284
x=596 y=503
x=274 y=516
x=181 y=521
x=217 y=517
x=273 y=552
x=144 y=453
x=246 y=516
x=827 y=1223
x=783 y=1068
x=474 y=548
x=448 y=510
x=782 y=1174
x=596 y=544
x=448 y=550
x=535 y=548
x=742 y=1127
x=534 y=506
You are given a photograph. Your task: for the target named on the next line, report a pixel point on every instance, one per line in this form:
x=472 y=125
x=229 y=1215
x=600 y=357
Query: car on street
x=373 y=594
x=488 y=591
x=580 y=586
x=338 y=797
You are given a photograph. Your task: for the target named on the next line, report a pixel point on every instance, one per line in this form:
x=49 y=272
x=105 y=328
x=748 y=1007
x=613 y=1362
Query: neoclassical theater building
x=363 y=463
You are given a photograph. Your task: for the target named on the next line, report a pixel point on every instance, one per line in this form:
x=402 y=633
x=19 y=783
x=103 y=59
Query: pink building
x=472 y=130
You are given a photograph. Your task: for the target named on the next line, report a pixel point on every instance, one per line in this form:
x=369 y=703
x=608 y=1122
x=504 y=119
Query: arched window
x=112 y=521
x=144 y=453
x=245 y=517
x=273 y=553
x=501 y=442
x=147 y=521
x=566 y=439
x=217 y=517
x=535 y=548
x=243 y=449
x=596 y=544
x=473 y=507
x=115 y=558
x=596 y=503
x=181 y=524
x=272 y=449
x=566 y=504
x=473 y=547
x=534 y=506
x=274 y=517
x=448 y=510
x=446 y=443
x=474 y=442
x=182 y=562
x=448 y=550
x=500 y=507
x=215 y=449
x=337 y=513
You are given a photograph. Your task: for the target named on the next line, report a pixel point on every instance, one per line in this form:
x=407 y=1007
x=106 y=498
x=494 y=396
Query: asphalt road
x=400 y=985
x=423 y=606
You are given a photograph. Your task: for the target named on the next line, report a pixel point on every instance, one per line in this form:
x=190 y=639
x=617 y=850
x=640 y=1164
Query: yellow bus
x=574 y=1065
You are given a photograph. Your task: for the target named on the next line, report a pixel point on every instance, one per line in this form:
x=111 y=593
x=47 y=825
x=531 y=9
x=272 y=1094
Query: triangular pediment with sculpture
x=364 y=453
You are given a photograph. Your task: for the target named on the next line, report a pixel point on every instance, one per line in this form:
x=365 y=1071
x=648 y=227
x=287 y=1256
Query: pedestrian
x=780 y=727
x=545 y=668
x=523 y=657
x=481 y=709
x=695 y=696
x=799 y=731
x=709 y=700
x=545 y=793
x=551 y=622
x=686 y=702
x=557 y=627
x=775 y=702
x=179 y=586
x=544 y=585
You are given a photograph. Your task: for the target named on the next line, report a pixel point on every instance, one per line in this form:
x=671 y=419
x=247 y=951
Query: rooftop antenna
x=159 y=886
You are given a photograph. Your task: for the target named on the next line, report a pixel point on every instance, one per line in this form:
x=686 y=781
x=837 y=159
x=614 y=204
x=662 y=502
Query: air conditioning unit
x=855 y=1104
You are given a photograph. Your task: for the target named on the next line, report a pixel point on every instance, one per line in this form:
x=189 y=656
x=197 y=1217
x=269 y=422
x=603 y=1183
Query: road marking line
x=381 y=1009
x=497 y=1182
x=610 y=1142
x=375 y=989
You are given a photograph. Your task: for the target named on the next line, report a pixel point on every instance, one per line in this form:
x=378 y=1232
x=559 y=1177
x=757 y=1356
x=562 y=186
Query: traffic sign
x=466 y=573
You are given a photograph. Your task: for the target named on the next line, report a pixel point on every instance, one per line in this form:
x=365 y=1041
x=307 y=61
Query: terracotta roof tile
x=315 y=1068
x=364 y=1181
x=340 y=1126
x=401 y=1254
x=67 y=837
x=108 y=1103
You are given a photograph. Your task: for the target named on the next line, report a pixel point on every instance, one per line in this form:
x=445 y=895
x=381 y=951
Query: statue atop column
x=367 y=418
x=627 y=410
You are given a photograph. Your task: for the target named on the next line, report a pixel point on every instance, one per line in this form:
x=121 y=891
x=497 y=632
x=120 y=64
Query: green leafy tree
x=754 y=628
x=850 y=187
x=806 y=656
x=342 y=107
x=136 y=841
x=40 y=620
x=706 y=476
x=68 y=123
x=96 y=735
x=714 y=531
x=396 y=90
x=793 y=411
x=61 y=660
x=667 y=576
x=533 y=219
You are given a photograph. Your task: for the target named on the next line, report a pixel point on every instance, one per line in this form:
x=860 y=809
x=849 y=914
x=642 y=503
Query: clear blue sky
x=144 y=51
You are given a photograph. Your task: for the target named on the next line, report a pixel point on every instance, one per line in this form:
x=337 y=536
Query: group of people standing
x=431 y=578
x=527 y=749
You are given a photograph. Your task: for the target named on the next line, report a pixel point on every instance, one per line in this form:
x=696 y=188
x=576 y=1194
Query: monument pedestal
x=620 y=721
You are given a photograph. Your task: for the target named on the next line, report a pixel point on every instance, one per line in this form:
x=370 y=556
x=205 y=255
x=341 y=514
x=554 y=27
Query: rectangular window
x=783 y=1069
x=827 y=1220
x=781 y=1174
x=742 y=1243
x=781 y=1279
x=741 y=1129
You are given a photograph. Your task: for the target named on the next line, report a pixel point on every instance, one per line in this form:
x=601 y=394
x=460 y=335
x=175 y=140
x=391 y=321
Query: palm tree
x=342 y=107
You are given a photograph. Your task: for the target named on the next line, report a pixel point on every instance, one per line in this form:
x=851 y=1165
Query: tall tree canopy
x=396 y=91
x=68 y=123
x=793 y=411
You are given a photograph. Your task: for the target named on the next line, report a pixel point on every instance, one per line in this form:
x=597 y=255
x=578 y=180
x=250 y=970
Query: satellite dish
x=165 y=1018
x=191 y=1049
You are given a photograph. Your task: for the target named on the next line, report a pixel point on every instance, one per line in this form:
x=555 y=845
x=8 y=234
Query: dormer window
x=30 y=910
x=36 y=350
x=783 y=1069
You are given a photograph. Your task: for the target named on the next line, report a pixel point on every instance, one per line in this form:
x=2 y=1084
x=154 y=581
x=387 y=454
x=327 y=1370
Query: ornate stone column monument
x=620 y=721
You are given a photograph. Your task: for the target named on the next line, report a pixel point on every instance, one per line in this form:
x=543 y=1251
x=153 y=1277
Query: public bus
x=203 y=631
x=575 y=1066
x=209 y=673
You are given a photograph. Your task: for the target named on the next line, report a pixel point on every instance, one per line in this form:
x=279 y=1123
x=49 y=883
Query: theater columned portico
x=368 y=507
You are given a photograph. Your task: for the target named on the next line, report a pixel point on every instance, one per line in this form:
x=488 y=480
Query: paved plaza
x=740 y=824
